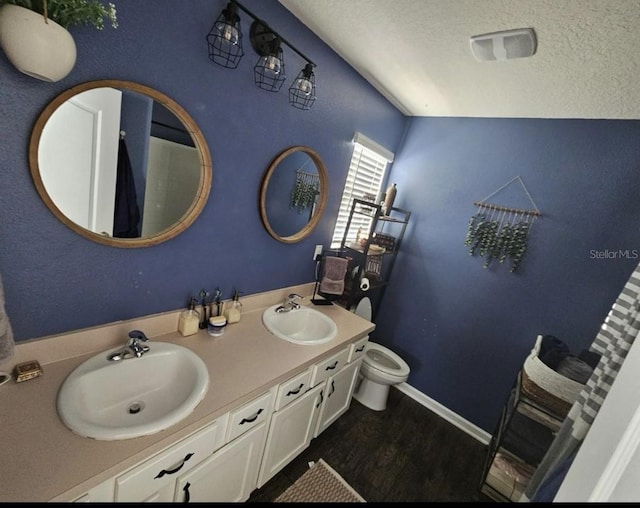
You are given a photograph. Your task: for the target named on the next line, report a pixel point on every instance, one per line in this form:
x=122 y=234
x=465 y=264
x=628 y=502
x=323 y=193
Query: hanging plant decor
x=305 y=190
x=500 y=233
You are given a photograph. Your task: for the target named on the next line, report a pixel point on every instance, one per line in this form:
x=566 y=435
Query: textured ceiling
x=417 y=54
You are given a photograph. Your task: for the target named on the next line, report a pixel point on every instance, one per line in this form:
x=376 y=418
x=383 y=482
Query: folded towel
x=6 y=333
x=335 y=268
x=575 y=368
x=552 y=351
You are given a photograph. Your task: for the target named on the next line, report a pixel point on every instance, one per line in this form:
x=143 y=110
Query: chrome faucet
x=289 y=303
x=132 y=349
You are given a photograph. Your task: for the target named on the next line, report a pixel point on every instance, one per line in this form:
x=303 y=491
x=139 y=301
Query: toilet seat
x=383 y=360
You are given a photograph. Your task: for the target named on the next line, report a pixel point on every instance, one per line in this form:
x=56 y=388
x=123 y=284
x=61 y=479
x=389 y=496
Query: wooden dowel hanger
x=489 y=206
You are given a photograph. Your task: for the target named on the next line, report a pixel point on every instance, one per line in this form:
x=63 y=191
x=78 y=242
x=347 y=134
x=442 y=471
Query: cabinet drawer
x=356 y=350
x=321 y=371
x=248 y=416
x=159 y=471
x=292 y=389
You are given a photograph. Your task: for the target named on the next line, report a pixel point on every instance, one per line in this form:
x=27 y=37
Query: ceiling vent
x=505 y=45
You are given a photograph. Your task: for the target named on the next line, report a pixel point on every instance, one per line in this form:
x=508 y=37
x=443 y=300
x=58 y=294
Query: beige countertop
x=43 y=460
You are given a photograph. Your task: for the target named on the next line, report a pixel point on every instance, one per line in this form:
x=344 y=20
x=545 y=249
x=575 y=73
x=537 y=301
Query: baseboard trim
x=453 y=418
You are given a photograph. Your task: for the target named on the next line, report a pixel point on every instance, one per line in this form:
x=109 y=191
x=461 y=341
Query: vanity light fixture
x=269 y=70
x=302 y=92
x=225 y=49
x=225 y=38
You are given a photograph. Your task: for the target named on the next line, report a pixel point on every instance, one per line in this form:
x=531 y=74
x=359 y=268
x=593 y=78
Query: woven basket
x=547 y=387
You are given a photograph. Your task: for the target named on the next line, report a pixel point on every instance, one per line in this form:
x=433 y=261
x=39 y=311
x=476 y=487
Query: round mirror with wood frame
x=46 y=180
x=293 y=194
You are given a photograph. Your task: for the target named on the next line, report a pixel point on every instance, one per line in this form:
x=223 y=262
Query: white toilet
x=380 y=369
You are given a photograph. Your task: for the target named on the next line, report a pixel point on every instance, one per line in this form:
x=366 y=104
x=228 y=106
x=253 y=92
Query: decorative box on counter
x=386 y=241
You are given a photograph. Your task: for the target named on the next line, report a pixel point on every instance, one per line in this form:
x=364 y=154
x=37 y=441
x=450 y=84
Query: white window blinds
x=366 y=173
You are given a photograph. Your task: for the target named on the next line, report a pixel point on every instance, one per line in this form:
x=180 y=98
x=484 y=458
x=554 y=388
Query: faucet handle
x=138 y=335
x=294 y=296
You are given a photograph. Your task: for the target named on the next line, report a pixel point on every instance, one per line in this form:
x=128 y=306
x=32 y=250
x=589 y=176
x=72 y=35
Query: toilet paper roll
x=364 y=284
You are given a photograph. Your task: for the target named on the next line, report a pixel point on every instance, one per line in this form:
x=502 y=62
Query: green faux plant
x=68 y=13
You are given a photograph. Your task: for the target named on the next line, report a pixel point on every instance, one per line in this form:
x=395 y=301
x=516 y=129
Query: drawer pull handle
x=331 y=367
x=333 y=389
x=187 y=496
x=176 y=469
x=295 y=392
x=359 y=349
x=253 y=418
x=320 y=403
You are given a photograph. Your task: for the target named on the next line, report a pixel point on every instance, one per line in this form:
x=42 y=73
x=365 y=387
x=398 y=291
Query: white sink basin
x=133 y=397
x=300 y=326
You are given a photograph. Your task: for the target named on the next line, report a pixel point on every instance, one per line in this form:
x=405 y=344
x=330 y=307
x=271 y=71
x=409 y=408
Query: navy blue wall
x=56 y=280
x=464 y=330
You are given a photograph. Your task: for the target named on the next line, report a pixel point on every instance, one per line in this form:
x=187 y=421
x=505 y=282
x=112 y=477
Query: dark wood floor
x=405 y=453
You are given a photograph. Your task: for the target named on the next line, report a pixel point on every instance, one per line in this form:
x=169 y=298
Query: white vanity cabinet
x=290 y=433
x=229 y=475
x=155 y=478
x=242 y=450
x=296 y=422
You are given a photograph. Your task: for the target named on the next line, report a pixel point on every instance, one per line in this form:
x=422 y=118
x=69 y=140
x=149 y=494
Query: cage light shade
x=225 y=39
x=302 y=92
x=504 y=45
x=269 y=71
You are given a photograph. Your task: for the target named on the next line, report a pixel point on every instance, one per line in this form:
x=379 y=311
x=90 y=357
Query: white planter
x=43 y=50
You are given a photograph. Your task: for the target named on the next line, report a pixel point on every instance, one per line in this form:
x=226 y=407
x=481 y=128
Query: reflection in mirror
x=120 y=163
x=293 y=194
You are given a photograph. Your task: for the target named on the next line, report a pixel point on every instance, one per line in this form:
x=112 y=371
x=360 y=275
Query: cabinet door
x=290 y=433
x=337 y=395
x=229 y=475
x=154 y=479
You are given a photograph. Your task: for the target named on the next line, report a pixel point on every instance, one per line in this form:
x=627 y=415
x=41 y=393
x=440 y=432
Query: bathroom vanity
x=267 y=399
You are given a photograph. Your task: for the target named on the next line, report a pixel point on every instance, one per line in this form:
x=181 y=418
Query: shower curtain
x=613 y=342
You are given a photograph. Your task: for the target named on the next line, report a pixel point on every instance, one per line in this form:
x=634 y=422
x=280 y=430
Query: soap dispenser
x=189 y=320
x=235 y=308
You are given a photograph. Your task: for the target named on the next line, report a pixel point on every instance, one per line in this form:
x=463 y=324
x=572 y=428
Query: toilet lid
x=363 y=309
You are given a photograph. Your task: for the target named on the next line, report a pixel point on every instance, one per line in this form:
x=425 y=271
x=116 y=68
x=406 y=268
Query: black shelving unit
x=375 y=256
x=522 y=437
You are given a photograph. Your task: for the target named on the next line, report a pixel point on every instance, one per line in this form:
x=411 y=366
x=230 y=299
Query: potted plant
x=34 y=35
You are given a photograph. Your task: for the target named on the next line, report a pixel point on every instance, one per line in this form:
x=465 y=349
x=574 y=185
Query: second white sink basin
x=133 y=397
x=300 y=326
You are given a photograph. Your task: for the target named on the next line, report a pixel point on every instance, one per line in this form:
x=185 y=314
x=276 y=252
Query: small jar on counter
x=216 y=325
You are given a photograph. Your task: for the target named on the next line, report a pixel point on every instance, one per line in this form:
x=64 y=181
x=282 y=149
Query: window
x=367 y=169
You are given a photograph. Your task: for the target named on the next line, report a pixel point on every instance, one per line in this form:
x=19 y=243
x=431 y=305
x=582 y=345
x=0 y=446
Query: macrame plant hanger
x=305 y=190
x=500 y=233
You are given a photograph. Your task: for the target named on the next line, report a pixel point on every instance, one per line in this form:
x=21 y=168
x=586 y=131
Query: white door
x=78 y=154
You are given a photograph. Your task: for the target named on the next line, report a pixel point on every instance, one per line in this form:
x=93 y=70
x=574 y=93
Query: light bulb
x=304 y=86
x=228 y=33
x=271 y=66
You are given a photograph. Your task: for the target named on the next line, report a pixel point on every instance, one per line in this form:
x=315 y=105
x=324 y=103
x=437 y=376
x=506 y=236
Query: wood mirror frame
x=320 y=205
x=204 y=184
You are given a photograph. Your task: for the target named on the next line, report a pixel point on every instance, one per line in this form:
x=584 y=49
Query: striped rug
x=320 y=484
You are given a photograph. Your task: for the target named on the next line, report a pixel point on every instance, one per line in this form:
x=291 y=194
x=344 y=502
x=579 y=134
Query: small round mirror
x=293 y=194
x=120 y=163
